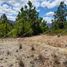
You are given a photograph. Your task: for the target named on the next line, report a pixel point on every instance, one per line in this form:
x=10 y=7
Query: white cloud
x=52 y=4
x=11 y=17
x=49 y=14
x=66 y=2
x=36 y=3
x=13 y=6
x=48 y=19
x=6 y=6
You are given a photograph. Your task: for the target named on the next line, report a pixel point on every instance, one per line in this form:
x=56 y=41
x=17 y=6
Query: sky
x=45 y=8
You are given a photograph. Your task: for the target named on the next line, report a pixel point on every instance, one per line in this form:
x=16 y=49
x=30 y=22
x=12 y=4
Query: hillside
x=36 y=51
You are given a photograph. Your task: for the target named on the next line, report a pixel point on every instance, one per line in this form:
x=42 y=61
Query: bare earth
x=36 y=51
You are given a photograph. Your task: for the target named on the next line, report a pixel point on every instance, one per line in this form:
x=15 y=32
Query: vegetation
x=21 y=64
x=5 y=26
x=59 y=24
x=29 y=23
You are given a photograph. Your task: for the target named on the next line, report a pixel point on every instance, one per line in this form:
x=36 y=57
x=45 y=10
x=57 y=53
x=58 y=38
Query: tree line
x=29 y=23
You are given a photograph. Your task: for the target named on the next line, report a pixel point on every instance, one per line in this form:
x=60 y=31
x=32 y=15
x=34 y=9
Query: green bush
x=13 y=33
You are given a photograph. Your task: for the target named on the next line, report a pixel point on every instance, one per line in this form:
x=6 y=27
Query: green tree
x=5 y=26
x=28 y=22
x=60 y=16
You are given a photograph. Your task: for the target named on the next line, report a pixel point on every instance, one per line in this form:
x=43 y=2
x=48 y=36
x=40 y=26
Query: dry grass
x=50 y=40
x=36 y=51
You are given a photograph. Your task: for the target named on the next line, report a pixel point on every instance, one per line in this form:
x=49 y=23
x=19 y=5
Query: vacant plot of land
x=36 y=51
x=50 y=40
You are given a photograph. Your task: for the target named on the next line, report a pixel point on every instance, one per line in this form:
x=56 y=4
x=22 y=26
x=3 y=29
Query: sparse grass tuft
x=8 y=53
x=32 y=48
x=21 y=64
x=58 y=35
x=20 y=46
x=41 y=58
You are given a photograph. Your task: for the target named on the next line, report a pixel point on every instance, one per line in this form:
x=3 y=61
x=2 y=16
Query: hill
x=36 y=51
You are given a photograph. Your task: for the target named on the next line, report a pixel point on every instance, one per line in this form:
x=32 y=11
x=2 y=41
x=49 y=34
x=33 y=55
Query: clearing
x=36 y=51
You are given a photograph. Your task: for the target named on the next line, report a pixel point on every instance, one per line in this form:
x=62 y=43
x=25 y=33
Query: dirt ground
x=36 y=51
x=49 y=40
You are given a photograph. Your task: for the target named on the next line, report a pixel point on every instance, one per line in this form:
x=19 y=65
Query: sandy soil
x=36 y=51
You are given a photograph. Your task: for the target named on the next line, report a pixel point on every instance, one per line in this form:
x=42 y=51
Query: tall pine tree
x=28 y=22
x=60 y=16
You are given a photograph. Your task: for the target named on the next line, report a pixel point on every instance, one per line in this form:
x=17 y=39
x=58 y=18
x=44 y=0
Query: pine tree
x=5 y=26
x=60 y=16
x=28 y=22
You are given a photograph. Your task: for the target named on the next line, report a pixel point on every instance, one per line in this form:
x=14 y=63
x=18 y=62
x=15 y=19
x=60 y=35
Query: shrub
x=32 y=48
x=21 y=64
x=20 y=46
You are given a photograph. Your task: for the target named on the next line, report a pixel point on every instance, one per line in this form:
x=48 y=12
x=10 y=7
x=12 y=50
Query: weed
x=20 y=46
x=32 y=48
x=21 y=64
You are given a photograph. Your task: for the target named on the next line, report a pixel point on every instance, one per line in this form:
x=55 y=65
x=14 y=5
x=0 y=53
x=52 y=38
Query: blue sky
x=45 y=8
